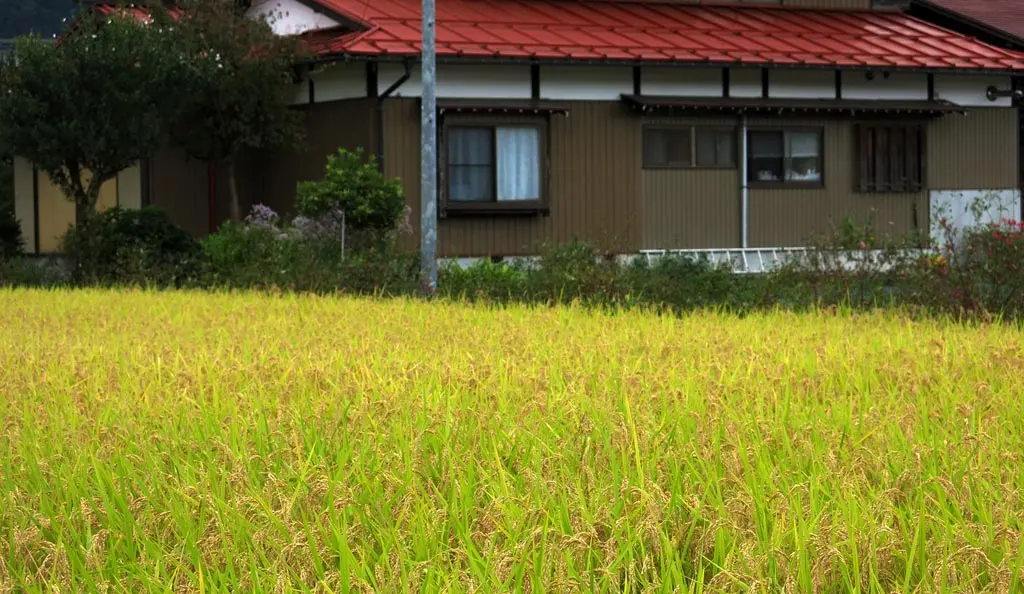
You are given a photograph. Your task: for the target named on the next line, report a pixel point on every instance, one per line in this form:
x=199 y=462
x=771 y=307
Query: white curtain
x=518 y=163
x=805 y=156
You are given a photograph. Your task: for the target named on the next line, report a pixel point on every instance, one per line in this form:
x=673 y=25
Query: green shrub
x=132 y=247
x=354 y=185
x=576 y=271
x=579 y=272
x=686 y=282
x=32 y=272
x=241 y=256
x=485 y=280
x=983 y=273
x=265 y=252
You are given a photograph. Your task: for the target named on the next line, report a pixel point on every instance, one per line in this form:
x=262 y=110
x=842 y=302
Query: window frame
x=692 y=130
x=734 y=156
x=865 y=185
x=495 y=206
x=784 y=184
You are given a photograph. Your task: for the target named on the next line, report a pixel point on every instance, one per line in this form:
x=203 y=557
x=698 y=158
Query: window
x=716 y=147
x=682 y=147
x=667 y=147
x=493 y=167
x=890 y=157
x=785 y=156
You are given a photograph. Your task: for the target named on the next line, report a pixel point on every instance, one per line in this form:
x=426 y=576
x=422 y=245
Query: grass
x=238 y=443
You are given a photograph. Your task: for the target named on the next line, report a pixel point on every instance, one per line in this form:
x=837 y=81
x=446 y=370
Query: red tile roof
x=139 y=13
x=1005 y=15
x=658 y=32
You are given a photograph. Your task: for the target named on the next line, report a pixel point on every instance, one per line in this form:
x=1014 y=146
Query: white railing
x=757 y=260
x=740 y=260
x=753 y=260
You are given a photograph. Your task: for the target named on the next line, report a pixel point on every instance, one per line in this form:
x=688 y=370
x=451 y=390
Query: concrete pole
x=428 y=165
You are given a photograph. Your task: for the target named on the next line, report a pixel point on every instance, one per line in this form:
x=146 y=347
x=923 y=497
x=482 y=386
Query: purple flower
x=262 y=216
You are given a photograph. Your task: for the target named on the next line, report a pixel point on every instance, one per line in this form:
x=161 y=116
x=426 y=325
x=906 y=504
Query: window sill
x=689 y=168
x=494 y=209
x=786 y=185
x=897 y=190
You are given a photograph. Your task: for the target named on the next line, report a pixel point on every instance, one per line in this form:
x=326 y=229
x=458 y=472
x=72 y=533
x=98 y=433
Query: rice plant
x=193 y=442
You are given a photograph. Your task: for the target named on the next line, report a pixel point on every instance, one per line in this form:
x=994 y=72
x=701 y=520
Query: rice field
x=195 y=443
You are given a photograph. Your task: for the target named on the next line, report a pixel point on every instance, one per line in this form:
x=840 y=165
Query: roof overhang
x=322 y=57
x=651 y=104
x=502 y=106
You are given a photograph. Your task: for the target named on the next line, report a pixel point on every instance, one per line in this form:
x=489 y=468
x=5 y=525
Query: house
x=996 y=22
x=657 y=124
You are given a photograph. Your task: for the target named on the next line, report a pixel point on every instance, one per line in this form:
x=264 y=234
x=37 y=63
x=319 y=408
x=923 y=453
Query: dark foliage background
x=19 y=17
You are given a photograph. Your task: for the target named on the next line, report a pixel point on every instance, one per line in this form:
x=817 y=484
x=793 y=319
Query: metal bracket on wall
x=992 y=93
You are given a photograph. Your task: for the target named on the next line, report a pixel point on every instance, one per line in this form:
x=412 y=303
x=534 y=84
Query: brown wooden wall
x=329 y=126
x=974 y=152
x=790 y=217
x=686 y=209
x=599 y=190
x=181 y=185
x=594 y=184
x=691 y=208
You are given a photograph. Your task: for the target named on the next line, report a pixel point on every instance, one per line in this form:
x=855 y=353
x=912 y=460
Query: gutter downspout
x=744 y=184
x=379 y=111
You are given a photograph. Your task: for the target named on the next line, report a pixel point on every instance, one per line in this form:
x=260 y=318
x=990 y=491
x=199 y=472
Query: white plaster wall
x=24 y=199
x=802 y=84
x=606 y=83
x=461 y=81
x=581 y=83
x=745 y=82
x=486 y=81
x=389 y=72
x=339 y=80
x=685 y=82
x=898 y=86
x=290 y=17
x=964 y=209
x=969 y=90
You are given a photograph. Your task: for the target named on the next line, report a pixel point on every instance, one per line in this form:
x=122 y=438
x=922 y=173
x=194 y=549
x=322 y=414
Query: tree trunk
x=236 y=203
x=82 y=212
x=85 y=204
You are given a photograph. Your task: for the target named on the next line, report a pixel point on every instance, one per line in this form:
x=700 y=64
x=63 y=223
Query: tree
x=241 y=84
x=92 y=104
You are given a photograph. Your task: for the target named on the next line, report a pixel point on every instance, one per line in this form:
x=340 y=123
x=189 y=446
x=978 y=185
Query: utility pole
x=428 y=148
